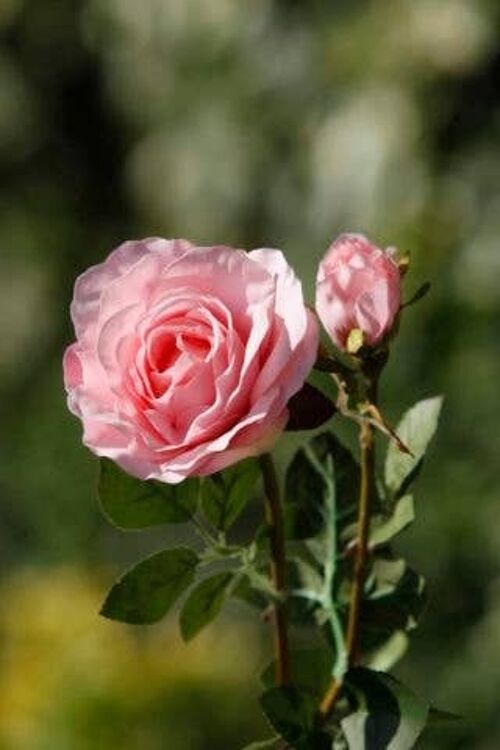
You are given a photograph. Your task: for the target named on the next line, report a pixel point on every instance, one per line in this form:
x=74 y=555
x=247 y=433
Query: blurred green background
x=247 y=122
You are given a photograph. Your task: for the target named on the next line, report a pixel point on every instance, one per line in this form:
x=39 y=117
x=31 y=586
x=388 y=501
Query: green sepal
x=130 y=503
x=388 y=716
x=225 y=494
x=421 y=292
x=416 y=430
x=146 y=592
x=203 y=604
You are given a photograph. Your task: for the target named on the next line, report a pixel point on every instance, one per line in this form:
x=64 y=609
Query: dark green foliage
x=225 y=495
x=322 y=489
x=292 y=713
x=304 y=496
x=203 y=604
x=148 y=590
x=129 y=503
x=396 y=599
x=388 y=715
x=248 y=593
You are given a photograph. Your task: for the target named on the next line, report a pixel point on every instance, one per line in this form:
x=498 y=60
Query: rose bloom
x=186 y=356
x=358 y=288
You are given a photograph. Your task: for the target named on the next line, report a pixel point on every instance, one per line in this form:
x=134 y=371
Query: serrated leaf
x=305 y=487
x=203 y=604
x=225 y=495
x=416 y=430
x=131 y=503
x=309 y=409
x=389 y=716
x=146 y=592
x=384 y=528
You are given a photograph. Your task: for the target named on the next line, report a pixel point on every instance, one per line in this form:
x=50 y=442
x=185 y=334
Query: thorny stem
x=274 y=520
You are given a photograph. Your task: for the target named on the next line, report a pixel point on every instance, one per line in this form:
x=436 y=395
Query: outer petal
x=296 y=334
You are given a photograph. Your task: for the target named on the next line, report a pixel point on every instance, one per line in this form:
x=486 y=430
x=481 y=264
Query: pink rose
x=358 y=288
x=186 y=356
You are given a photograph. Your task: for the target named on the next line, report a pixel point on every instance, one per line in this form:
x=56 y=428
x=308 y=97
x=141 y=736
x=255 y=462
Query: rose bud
x=358 y=292
x=185 y=357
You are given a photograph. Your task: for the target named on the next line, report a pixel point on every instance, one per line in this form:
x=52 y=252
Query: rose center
x=175 y=353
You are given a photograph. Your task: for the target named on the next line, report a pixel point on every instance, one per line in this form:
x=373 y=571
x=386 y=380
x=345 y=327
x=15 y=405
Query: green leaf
x=305 y=487
x=416 y=430
x=265 y=745
x=250 y=594
x=310 y=670
x=224 y=495
x=131 y=503
x=384 y=528
x=203 y=604
x=147 y=591
x=395 y=601
x=392 y=650
x=389 y=715
x=290 y=711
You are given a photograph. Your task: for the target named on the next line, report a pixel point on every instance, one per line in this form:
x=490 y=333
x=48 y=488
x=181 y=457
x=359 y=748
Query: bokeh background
x=248 y=122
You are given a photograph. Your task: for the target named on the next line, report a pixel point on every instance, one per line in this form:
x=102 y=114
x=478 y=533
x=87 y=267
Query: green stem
x=274 y=520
